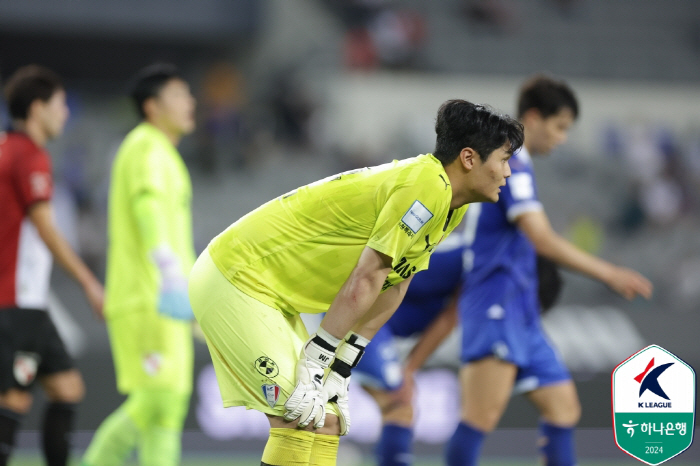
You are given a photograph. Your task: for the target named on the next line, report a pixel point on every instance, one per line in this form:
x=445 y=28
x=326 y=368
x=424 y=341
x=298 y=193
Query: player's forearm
x=433 y=336
x=149 y=212
x=352 y=302
x=382 y=310
x=570 y=256
x=42 y=217
x=547 y=243
x=358 y=293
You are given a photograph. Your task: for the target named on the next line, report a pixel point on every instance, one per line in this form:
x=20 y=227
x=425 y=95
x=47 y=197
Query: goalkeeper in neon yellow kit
x=348 y=246
x=150 y=254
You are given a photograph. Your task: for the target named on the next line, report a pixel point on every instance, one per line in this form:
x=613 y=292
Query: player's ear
x=530 y=116
x=149 y=107
x=467 y=157
x=36 y=107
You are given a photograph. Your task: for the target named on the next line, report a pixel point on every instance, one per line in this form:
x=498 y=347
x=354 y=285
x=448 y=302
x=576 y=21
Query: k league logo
x=653 y=401
x=650 y=381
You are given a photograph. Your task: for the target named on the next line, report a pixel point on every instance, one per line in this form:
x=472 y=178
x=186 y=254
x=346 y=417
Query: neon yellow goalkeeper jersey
x=295 y=252
x=146 y=163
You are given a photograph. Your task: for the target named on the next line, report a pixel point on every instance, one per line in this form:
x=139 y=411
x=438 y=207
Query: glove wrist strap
x=342 y=368
x=351 y=350
x=328 y=338
x=357 y=340
x=321 y=348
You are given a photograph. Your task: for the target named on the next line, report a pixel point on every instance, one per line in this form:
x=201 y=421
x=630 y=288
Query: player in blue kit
x=503 y=344
x=428 y=309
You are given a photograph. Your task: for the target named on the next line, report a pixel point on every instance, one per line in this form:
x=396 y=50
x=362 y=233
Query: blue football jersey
x=494 y=244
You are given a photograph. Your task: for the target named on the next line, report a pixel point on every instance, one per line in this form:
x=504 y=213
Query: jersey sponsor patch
x=266 y=366
x=521 y=186
x=25 y=367
x=417 y=216
x=271 y=391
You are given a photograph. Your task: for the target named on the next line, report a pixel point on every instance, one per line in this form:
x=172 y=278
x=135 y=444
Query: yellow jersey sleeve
x=400 y=221
x=295 y=252
x=146 y=168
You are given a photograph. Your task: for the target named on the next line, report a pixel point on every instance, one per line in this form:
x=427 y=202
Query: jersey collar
x=523 y=155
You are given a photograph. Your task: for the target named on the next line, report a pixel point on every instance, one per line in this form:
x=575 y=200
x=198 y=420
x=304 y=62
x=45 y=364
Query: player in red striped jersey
x=30 y=347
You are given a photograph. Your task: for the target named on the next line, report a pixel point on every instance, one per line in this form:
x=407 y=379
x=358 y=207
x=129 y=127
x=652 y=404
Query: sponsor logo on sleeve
x=416 y=216
x=404 y=268
x=40 y=183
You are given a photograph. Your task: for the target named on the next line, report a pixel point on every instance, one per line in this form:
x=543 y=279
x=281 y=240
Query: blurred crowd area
x=291 y=91
x=265 y=74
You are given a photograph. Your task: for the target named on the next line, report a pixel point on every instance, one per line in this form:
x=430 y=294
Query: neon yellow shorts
x=151 y=352
x=254 y=347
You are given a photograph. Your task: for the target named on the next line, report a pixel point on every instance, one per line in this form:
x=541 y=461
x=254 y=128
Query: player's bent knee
x=400 y=413
x=158 y=408
x=18 y=401
x=64 y=387
x=484 y=421
x=564 y=416
x=331 y=426
x=569 y=417
x=278 y=422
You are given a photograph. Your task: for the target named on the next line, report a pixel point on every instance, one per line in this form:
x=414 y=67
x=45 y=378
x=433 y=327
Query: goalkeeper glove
x=335 y=386
x=173 y=300
x=307 y=402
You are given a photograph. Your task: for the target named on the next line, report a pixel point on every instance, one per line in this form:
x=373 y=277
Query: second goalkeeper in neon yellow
x=347 y=245
x=150 y=254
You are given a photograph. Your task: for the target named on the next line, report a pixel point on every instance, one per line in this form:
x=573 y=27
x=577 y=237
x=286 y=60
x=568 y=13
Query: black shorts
x=29 y=348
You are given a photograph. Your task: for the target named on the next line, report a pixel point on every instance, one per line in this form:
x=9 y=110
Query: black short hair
x=547 y=95
x=461 y=124
x=149 y=81
x=28 y=84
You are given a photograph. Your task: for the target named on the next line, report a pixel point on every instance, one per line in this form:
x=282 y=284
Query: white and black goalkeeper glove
x=336 y=383
x=307 y=402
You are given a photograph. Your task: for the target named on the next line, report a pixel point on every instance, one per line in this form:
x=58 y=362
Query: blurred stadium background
x=290 y=91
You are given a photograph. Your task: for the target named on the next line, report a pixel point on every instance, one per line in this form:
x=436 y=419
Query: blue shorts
x=380 y=366
x=500 y=319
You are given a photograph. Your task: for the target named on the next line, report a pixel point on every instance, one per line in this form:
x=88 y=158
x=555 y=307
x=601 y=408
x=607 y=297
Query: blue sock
x=559 y=447
x=394 y=446
x=464 y=447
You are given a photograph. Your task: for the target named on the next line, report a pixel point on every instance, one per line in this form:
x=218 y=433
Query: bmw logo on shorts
x=266 y=366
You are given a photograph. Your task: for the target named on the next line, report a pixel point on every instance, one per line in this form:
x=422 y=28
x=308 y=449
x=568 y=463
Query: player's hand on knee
x=307 y=402
x=335 y=390
x=337 y=382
